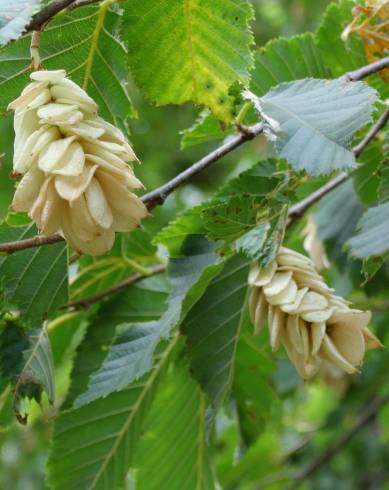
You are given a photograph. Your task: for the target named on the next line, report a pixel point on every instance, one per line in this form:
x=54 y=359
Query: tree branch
x=41 y=18
x=298 y=209
x=372 y=133
x=159 y=195
x=365 y=71
x=46 y=14
x=35 y=241
x=85 y=303
x=367 y=416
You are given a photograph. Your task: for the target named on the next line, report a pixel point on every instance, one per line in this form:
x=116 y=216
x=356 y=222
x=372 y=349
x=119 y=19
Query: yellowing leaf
x=371 y=23
x=195 y=50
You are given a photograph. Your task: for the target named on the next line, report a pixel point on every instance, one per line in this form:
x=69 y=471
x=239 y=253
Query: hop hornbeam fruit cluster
x=76 y=181
x=303 y=313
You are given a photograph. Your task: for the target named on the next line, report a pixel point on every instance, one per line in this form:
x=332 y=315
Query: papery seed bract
x=71 y=187
x=278 y=283
x=304 y=314
x=77 y=178
x=28 y=190
x=48 y=76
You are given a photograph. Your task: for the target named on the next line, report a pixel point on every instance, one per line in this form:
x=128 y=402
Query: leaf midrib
x=189 y=40
x=135 y=409
x=94 y=42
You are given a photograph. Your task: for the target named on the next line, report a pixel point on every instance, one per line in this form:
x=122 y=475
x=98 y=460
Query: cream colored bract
x=314 y=246
x=76 y=181
x=303 y=313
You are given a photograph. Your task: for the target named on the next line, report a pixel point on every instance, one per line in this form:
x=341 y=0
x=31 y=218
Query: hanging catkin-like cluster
x=305 y=315
x=77 y=181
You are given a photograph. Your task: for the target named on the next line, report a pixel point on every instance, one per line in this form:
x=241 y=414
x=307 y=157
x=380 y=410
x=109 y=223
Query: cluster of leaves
x=164 y=374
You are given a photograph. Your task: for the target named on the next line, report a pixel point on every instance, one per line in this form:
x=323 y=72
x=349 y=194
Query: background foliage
x=134 y=400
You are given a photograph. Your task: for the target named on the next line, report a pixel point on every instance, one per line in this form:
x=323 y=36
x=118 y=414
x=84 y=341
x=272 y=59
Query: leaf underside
x=14 y=16
x=373 y=236
x=312 y=121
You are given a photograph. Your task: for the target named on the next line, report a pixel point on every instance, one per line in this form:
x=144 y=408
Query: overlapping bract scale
x=314 y=246
x=304 y=315
x=77 y=181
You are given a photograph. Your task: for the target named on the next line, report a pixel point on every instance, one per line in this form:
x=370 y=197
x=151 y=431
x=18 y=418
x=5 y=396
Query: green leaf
x=343 y=56
x=34 y=280
x=130 y=253
x=261 y=180
x=173 y=453
x=372 y=238
x=137 y=245
x=284 y=60
x=141 y=302
x=312 y=121
x=94 y=446
x=206 y=128
x=262 y=242
x=251 y=205
x=339 y=56
x=383 y=187
x=84 y=42
x=189 y=222
x=228 y=221
x=183 y=51
x=367 y=177
x=14 y=17
x=131 y=354
x=252 y=388
x=27 y=360
x=96 y=274
x=371 y=266
x=241 y=202
x=336 y=218
x=7 y=185
x=38 y=369
x=213 y=326
x=65 y=333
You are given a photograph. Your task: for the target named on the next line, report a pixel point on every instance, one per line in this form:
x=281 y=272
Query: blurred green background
x=305 y=418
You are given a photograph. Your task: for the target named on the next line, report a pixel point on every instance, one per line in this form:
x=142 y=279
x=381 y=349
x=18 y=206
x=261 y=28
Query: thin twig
x=85 y=303
x=158 y=196
x=367 y=416
x=299 y=209
x=35 y=241
x=365 y=71
x=46 y=14
x=43 y=17
x=374 y=130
